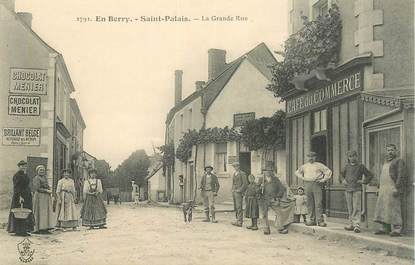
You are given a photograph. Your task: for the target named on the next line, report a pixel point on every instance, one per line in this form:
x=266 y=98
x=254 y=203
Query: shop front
x=326 y=117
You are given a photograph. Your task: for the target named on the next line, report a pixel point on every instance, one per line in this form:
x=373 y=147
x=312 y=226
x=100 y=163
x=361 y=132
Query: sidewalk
x=394 y=246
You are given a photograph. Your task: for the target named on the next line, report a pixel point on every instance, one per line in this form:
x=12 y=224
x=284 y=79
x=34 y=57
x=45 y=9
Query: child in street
x=251 y=200
x=352 y=177
x=300 y=205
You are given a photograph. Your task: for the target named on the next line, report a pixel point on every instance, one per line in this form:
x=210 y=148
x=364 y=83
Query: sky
x=123 y=73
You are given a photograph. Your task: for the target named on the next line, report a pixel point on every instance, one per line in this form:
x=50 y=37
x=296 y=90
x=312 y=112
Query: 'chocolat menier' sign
x=334 y=90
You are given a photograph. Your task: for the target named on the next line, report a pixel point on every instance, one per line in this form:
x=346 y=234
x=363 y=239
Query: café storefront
x=334 y=115
x=326 y=117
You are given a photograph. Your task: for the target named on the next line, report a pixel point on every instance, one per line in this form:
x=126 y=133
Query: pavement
x=145 y=234
x=395 y=246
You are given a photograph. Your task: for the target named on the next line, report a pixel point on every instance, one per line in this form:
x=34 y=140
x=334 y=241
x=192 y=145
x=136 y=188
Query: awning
x=390 y=97
x=63 y=130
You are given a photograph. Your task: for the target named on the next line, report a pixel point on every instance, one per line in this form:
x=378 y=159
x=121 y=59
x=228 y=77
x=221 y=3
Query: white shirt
x=313 y=172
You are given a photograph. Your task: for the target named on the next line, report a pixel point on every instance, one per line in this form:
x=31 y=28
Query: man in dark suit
x=239 y=184
x=209 y=186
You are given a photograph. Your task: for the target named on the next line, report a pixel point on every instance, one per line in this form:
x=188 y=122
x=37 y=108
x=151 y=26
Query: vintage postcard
x=207 y=132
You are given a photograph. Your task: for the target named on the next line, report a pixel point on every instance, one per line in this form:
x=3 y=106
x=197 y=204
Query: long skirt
x=67 y=217
x=19 y=226
x=42 y=209
x=252 y=208
x=93 y=211
x=284 y=211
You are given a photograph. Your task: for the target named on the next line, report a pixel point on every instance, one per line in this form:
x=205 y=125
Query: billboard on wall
x=21 y=105
x=18 y=136
x=28 y=81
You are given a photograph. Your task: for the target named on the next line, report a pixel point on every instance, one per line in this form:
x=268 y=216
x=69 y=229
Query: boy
x=352 y=176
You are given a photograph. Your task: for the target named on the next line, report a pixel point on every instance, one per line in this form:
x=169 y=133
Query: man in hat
x=209 y=186
x=274 y=195
x=314 y=174
x=239 y=184
x=391 y=191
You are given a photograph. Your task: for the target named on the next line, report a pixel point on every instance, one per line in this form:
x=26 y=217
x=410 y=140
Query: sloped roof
x=51 y=50
x=260 y=56
x=75 y=107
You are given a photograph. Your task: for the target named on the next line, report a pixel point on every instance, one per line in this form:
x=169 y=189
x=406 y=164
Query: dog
x=188 y=211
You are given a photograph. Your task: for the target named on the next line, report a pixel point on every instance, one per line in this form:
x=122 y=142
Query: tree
x=134 y=168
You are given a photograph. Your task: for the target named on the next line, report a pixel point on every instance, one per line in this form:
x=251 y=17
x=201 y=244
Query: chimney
x=216 y=62
x=199 y=85
x=9 y=4
x=178 y=86
x=26 y=18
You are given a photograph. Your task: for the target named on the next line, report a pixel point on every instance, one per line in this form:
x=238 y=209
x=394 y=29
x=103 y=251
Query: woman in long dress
x=21 y=195
x=42 y=202
x=65 y=191
x=93 y=212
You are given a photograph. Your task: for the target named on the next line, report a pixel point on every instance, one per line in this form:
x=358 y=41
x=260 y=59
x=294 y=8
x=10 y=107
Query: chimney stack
x=216 y=62
x=178 y=86
x=199 y=85
x=26 y=18
x=9 y=4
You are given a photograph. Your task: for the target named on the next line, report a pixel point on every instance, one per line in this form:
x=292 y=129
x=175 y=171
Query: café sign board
x=240 y=119
x=334 y=90
x=28 y=81
x=18 y=136
x=21 y=105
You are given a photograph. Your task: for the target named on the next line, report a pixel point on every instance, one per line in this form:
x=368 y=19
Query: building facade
x=234 y=93
x=35 y=113
x=367 y=102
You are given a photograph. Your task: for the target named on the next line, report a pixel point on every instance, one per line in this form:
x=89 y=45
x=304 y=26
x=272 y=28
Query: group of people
x=268 y=192
x=48 y=211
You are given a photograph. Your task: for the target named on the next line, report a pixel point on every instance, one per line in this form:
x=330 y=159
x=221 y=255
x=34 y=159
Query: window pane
x=221 y=148
x=316 y=121
x=323 y=120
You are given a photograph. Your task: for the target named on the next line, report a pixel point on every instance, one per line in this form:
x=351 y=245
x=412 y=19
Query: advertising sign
x=240 y=119
x=28 y=81
x=20 y=105
x=17 y=136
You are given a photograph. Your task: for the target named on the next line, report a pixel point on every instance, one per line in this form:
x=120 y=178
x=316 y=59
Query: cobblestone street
x=152 y=235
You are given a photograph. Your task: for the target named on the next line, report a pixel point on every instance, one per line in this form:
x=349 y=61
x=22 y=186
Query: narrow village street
x=153 y=235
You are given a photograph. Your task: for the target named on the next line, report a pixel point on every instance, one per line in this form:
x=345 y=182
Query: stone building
x=233 y=93
x=36 y=111
x=371 y=105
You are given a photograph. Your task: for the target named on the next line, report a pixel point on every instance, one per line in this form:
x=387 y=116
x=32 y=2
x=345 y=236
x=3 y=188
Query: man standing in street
x=209 y=186
x=239 y=184
x=391 y=191
x=314 y=174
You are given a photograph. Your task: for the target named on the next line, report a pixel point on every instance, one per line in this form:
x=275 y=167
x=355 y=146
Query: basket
x=21 y=213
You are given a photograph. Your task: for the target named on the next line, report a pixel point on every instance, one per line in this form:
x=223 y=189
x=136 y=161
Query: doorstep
x=396 y=246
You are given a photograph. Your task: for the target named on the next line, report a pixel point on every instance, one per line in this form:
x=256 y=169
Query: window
x=221 y=157
x=181 y=123
x=190 y=118
x=320 y=121
x=321 y=8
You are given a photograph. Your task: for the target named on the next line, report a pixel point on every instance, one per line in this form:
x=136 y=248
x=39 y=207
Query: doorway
x=245 y=162
x=319 y=146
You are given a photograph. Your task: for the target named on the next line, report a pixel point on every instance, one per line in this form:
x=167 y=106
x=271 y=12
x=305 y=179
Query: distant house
x=156 y=181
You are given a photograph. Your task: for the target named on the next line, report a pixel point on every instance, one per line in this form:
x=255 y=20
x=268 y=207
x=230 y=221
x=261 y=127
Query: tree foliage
x=317 y=44
x=134 y=168
x=204 y=136
x=266 y=132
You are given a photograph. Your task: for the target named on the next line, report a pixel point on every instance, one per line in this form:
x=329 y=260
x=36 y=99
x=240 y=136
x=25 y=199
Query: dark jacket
x=352 y=174
x=397 y=171
x=273 y=190
x=214 y=184
x=239 y=182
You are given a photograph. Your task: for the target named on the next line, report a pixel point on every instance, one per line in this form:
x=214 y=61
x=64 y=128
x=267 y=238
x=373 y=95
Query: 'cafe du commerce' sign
x=28 y=81
x=339 y=88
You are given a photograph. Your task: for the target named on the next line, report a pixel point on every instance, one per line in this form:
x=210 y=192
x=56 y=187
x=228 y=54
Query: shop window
x=221 y=157
x=321 y=8
x=320 y=121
